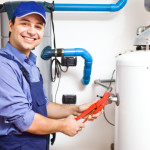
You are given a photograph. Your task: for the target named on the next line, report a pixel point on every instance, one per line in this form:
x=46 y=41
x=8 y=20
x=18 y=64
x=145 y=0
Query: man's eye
x=25 y=24
x=38 y=27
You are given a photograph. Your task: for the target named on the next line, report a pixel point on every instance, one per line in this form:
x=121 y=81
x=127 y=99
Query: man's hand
x=71 y=127
x=83 y=107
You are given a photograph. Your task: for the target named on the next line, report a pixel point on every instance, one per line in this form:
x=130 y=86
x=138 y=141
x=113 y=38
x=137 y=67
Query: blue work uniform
x=15 y=139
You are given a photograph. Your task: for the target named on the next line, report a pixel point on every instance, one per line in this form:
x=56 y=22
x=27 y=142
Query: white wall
x=104 y=35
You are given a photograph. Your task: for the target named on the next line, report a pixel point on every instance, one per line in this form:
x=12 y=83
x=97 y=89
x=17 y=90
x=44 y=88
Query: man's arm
x=43 y=125
x=69 y=126
x=51 y=124
x=59 y=111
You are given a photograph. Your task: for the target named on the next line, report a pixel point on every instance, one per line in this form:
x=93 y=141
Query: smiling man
x=26 y=116
x=27 y=31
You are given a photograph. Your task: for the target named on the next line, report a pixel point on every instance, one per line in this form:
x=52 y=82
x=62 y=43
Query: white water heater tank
x=132 y=130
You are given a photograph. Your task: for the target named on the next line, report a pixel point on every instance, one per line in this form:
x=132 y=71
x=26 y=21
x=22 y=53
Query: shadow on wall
x=85 y=16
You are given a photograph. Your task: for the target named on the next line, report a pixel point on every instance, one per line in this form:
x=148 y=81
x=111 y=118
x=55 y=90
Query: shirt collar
x=19 y=55
x=32 y=57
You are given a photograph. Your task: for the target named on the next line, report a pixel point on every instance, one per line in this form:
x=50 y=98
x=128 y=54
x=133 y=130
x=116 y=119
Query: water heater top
x=135 y=59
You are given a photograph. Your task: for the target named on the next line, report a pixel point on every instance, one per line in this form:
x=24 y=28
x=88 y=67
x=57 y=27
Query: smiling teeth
x=29 y=39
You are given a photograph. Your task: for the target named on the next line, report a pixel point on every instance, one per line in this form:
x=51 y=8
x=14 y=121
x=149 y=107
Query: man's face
x=26 y=32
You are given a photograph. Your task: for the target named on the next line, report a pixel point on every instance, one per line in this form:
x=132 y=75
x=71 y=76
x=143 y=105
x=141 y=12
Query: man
x=26 y=116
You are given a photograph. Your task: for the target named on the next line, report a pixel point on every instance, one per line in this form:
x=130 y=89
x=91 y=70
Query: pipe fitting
x=119 y=5
x=88 y=62
x=47 y=53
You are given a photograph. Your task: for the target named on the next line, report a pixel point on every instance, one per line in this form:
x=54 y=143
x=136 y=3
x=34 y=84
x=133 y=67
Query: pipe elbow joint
x=47 y=53
x=85 y=54
x=118 y=6
x=87 y=65
x=88 y=62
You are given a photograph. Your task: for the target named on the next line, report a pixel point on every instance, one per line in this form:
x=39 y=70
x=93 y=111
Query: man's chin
x=28 y=47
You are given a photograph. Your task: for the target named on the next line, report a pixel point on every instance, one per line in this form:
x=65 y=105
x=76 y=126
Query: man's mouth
x=29 y=39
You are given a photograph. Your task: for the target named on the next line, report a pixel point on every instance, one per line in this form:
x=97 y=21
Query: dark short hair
x=13 y=22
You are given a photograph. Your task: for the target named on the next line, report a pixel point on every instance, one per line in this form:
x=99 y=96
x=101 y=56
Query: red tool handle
x=95 y=108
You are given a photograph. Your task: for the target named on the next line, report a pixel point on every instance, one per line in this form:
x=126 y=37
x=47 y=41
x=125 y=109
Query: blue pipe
x=47 y=53
x=88 y=62
x=90 y=7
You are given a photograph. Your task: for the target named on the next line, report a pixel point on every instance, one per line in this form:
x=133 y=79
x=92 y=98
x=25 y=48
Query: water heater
x=132 y=131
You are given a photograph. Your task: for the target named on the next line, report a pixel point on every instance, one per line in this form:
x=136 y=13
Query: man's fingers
x=102 y=111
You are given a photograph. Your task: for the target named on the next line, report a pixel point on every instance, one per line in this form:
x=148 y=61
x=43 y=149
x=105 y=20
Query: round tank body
x=43 y=65
x=132 y=130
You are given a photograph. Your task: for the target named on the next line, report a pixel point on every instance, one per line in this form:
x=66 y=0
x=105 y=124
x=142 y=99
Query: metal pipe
x=103 y=85
x=105 y=80
x=90 y=7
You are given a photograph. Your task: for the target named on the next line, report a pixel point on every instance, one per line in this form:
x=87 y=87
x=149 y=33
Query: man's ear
x=10 y=25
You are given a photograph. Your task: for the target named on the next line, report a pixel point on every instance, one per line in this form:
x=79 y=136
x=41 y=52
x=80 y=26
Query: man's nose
x=31 y=31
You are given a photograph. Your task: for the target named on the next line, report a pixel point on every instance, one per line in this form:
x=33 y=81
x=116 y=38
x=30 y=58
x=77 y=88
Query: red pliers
x=96 y=107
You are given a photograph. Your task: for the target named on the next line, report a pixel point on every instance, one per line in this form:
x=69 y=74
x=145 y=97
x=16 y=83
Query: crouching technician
x=26 y=116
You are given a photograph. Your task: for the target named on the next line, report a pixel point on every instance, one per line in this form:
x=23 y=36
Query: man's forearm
x=43 y=125
x=58 y=111
x=51 y=124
